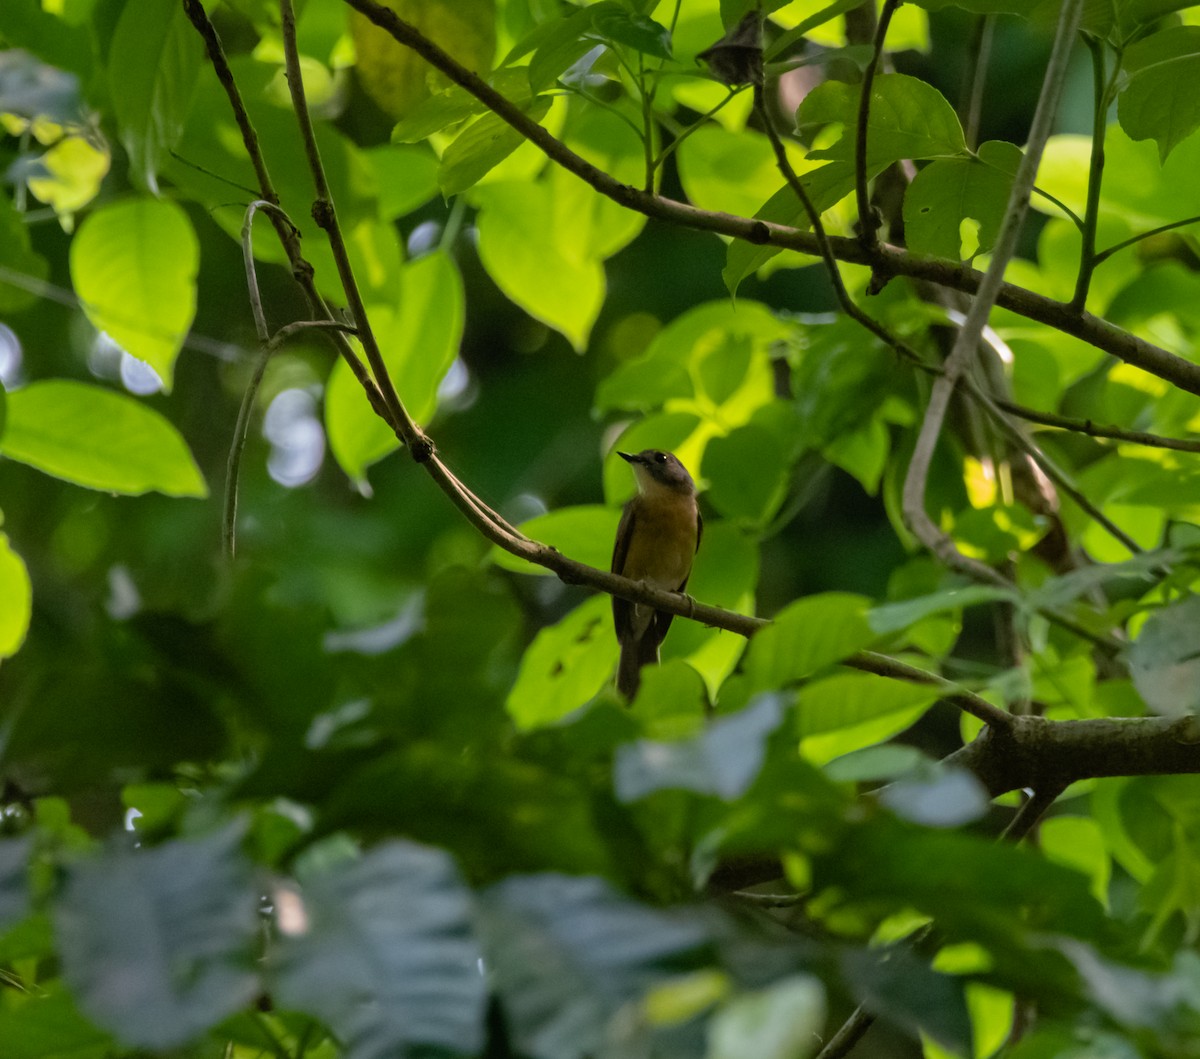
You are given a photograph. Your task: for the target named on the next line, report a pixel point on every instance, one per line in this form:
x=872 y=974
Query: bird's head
x=657 y=469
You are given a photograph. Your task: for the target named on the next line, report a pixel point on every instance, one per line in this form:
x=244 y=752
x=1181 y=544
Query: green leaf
x=747 y=473
x=1158 y=101
x=826 y=186
x=707 y=352
x=585 y=532
x=721 y=761
x=384 y=953
x=567 y=954
x=783 y=1021
x=806 y=636
x=153 y=64
x=565 y=666
x=419 y=337
x=526 y=257
x=158 y=944
x=99 y=439
x=896 y=617
x=49 y=1024
x=1163 y=660
x=908 y=119
x=953 y=208
x=846 y=712
x=407 y=178
x=16 y=600
x=639 y=32
x=134 y=266
x=725 y=170
x=482 y=146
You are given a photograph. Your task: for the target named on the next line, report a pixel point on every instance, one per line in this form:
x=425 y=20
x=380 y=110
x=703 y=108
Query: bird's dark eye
x=660 y=457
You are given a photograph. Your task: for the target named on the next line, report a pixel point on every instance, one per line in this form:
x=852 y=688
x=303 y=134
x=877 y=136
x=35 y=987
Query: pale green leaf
x=153 y=64
x=134 y=265
x=565 y=666
x=523 y=255
x=419 y=339
x=16 y=599
x=482 y=146
x=99 y=439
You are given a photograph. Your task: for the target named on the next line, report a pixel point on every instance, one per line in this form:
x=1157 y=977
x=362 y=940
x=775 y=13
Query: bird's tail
x=635 y=653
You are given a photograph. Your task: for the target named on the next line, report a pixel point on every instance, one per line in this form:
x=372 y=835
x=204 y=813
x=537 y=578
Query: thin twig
x=1104 y=255
x=793 y=181
x=868 y=223
x=325 y=214
x=913 y=502
x=1091 y=212
x=978 y=58
x=1051 y=469
x=289 y=238
x=233 y=464
x=256 y=306
x=955 y=694
x=1095 y=430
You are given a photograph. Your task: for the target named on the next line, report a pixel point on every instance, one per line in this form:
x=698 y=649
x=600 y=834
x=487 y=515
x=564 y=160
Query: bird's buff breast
x=670 y=537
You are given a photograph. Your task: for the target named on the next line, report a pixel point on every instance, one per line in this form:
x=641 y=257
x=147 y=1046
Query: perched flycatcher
x=658 y=536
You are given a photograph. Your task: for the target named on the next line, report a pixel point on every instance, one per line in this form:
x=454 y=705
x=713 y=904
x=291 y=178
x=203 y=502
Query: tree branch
x=1039 y=754
x=967 y=340
x=885 y=261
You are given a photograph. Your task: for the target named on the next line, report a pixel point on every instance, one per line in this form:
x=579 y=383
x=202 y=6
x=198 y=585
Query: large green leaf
x=153 y=64
x=134 y=265
x=565 y=666
x=585 y=533
x=419 y=336
x=158 y=944
x=534 y=263
x=806 y=636
x=954 y=206
x=908 y=119
x=1158 y=101
x=99 y=439
x=482 y=146
x=384 y=953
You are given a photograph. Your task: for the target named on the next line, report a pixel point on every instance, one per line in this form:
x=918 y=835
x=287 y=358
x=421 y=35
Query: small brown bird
x=656 y=541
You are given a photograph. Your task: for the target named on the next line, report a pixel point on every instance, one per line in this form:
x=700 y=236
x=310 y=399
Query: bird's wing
x=622 y=608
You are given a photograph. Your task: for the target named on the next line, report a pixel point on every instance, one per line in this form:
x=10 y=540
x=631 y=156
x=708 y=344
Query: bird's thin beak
x=627 y=458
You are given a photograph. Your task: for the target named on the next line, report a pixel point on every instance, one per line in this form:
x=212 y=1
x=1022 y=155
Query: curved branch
x=885 y=261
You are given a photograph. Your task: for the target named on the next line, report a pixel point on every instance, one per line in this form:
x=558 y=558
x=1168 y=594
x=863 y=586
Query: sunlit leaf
x=98 y=439
x=806 y=636
x=16 y=599
x=134 y=266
